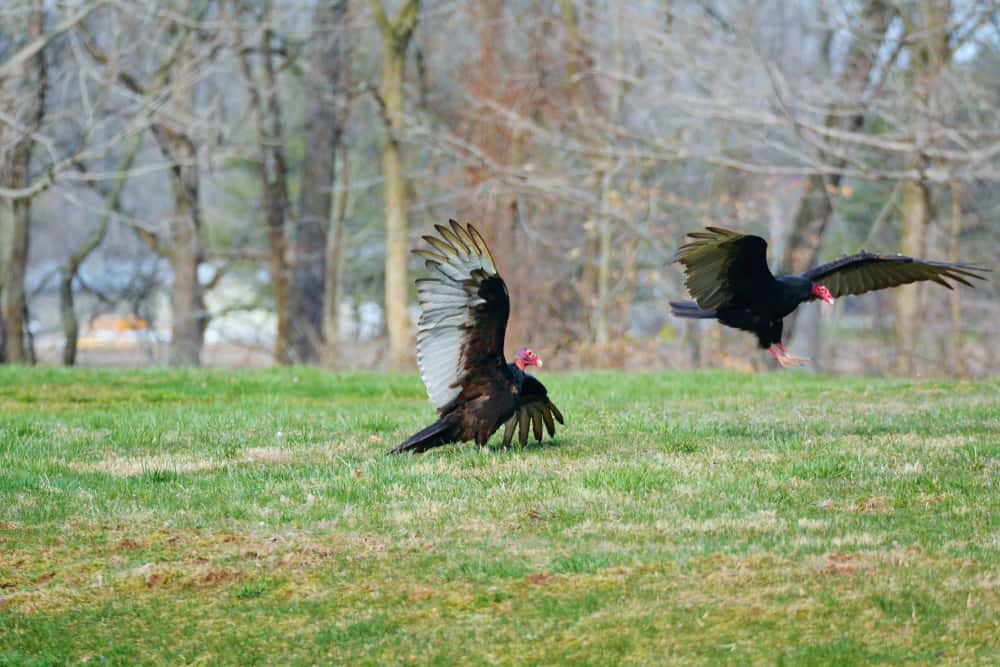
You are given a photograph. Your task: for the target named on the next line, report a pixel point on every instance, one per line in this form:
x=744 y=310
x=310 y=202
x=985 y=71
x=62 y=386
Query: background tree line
x=192 y=161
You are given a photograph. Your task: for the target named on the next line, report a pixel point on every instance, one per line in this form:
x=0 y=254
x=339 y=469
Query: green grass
x=224 y=517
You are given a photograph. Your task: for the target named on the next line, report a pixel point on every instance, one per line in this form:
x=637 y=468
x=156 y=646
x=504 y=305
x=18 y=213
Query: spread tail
x=690 y=309
x=437 y=434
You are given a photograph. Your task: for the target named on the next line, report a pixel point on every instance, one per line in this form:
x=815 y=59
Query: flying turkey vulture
x=728 y=277
x=463 y=317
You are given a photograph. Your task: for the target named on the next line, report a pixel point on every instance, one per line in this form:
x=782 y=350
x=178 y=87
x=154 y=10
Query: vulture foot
x=785 y=359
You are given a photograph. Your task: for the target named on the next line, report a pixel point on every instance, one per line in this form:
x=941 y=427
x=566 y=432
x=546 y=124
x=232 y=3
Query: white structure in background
x=239 y=316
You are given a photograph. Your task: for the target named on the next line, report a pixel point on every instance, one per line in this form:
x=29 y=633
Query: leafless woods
x=225 y=181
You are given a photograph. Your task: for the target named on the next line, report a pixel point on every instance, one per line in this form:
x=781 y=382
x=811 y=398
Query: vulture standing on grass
x=463 y=317
x=728 y=277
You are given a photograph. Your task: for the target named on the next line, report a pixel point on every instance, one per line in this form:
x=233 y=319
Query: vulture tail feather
x=437 y=434
x=690 y=309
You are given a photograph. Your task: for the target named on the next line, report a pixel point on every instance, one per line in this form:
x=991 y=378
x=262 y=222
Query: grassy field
x=226 y=517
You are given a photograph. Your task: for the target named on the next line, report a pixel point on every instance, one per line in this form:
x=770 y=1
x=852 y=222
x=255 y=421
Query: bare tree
x=584 y=138
x=396 y=33
x=333 y=267
x=112 y=200
x=323 y=137
x=29 y=90
x=272 y=170
x=174 y=77
x=927 y=28
x=815 y=207
x=336 y=235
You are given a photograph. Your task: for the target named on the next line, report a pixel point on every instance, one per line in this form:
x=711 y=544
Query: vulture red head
x=525 y=358
x=821 y=292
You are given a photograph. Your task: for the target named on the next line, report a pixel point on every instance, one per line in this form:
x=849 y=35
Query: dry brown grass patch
x=762 y=521
x=839 y=562
x=875 y=505
x=130 y=466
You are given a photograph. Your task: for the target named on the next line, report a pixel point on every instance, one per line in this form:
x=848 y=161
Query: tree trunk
x=397 y=313
x=571 y=24
x=927 y=25
x=576 y=65
x=323 y=132
x=186 y=300
x=802 y=328
x=183 y=251
x=272 y=170
x=915 y=209
x=3 y=275
x=603 y=308
x=332 y=278
x=955 y=342
x=276 y=208
x=815 y=208
x=33 y=84
x=67 y=309
x=15 y=305
x=276 y=203
x=603 y=262
x=396 y=34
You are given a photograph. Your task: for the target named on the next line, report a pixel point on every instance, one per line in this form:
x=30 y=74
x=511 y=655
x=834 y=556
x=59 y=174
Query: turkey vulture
x=728 y=277
x=463 y=317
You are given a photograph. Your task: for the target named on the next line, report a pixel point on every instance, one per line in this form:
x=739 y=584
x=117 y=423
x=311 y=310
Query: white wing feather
x=447 y=298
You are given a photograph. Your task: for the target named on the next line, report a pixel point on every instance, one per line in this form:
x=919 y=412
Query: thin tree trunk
x=603 y=309
x=802 y=328
x=277 y=207
x=67 y=309
x=811 y=219
x=15 y=303
x=188 y=313
x=955 y=341
x=603 y=262
x=3 y=276
x=323 y=135
x=927 y=25
x=575 y=60
x=332 y=278
x=574 y=46
x=630 y=278
x=396 y=240
x=15 y=308
x=916 y=213
x=272 y=170
x=815 y=209
x=187 y=301
x=396 y=34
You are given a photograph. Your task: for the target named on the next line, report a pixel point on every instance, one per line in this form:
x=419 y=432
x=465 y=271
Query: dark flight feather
x=868 y=271
x=723 y=267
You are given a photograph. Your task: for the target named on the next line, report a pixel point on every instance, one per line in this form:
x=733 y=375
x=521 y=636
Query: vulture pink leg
x=785 y=359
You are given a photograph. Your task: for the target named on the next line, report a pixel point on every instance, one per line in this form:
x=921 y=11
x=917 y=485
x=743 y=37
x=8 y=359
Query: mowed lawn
x=251 y=517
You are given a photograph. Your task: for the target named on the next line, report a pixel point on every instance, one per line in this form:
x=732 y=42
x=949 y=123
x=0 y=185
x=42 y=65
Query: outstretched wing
x=463 y=311
x=867 y=271
x=534 y=409
x=724 y=268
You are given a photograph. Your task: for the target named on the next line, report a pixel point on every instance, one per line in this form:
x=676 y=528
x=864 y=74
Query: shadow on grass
x=462 y=448
x=531 y=446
